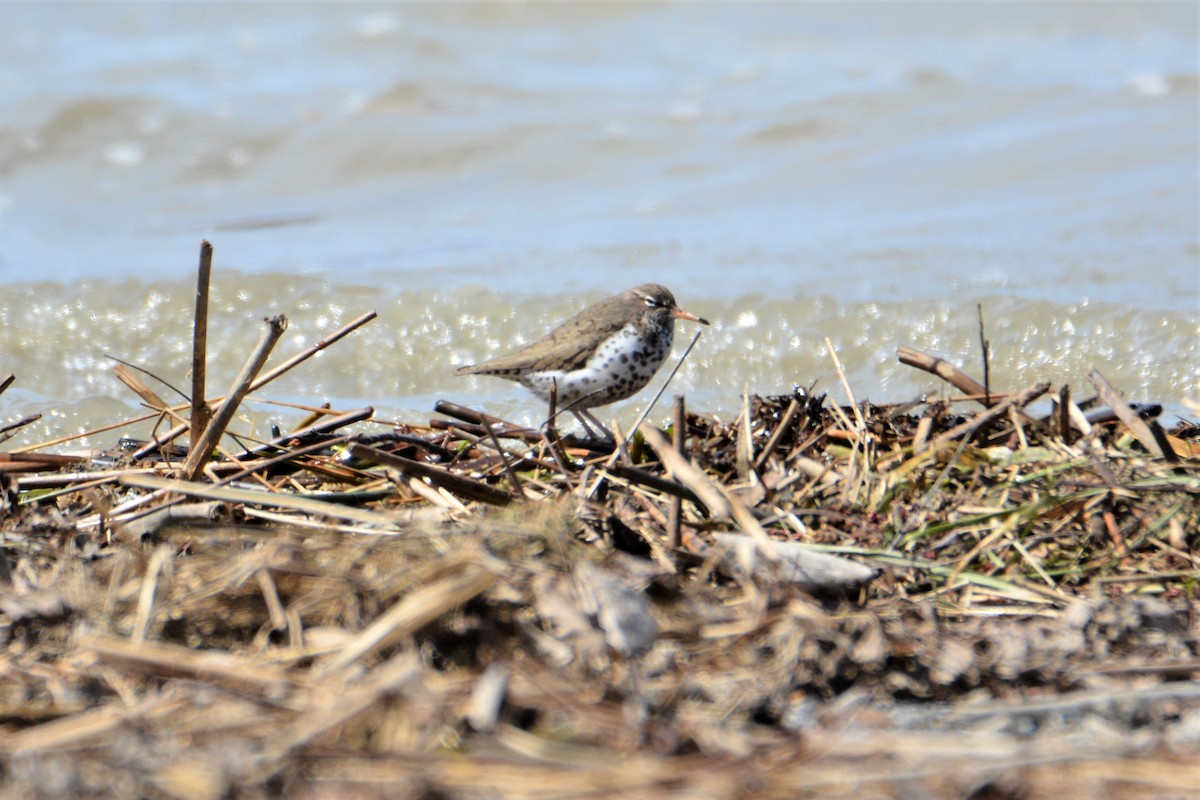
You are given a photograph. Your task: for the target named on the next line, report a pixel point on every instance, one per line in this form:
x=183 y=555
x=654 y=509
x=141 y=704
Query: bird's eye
x=650 y=301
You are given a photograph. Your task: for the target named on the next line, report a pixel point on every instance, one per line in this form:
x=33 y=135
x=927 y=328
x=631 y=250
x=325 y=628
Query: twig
x=508 y=467
x=316 y=429
x=1120 y=406
x=266 y=377
x=458 y=484
x=1064 y=414
x=986 y=350
x=200 y=453
x=92 y=432
x=312 y=350
x=675 y=516
x=200 y=410
x=862 y=425
x=946 y=371
x=777 y=434
x=19 y=423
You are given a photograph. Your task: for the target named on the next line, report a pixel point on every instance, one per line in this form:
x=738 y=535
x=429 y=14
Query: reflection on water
x=863 y=172
x=404 y=361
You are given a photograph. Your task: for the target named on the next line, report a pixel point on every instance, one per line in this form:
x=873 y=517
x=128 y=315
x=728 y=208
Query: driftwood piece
x=745 y=557
x=7 y=428
x=30 y=462
x=174 y=514
x=947 y=371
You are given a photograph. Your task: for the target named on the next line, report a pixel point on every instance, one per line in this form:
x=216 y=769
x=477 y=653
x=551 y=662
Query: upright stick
x=200 y=410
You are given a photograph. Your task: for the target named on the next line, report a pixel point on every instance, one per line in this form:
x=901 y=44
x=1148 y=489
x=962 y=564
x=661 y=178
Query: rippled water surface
x=868 y=173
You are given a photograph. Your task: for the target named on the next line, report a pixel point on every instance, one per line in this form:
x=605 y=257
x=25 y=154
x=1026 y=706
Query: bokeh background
x=866 y=172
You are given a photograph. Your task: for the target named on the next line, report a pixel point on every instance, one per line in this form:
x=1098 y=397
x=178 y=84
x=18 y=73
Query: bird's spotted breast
x=619 y=368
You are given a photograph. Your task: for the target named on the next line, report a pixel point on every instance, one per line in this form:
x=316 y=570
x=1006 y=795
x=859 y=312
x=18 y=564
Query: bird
x=605 y=353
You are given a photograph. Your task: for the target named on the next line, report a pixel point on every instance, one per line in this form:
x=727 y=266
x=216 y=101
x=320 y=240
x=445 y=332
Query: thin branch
x=200 y=410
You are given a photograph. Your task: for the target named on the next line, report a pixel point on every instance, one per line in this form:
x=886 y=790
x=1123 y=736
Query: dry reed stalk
x=266 y=377
x=1120 y=406
x=165 y=660
x=459 y=484
x=7 y=429
x=679 y=430
x=466 y=580
x=199 y=454
x=201 y=413
x=719 y=502
x=306 y=505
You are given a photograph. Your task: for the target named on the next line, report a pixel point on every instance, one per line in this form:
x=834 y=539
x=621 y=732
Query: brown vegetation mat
x=953 y=598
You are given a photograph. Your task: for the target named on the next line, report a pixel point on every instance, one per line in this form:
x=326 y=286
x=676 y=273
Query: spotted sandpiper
x=603 y=354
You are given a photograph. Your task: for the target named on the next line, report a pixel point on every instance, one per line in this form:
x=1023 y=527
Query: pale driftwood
x=172 y=660
x=487 y=697
x=790 y=562
x=177 y=514
x=621 y=611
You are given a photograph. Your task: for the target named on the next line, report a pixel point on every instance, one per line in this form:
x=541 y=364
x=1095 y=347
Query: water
x=863 y=172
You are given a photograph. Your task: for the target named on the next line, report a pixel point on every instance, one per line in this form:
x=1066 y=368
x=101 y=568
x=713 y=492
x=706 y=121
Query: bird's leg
x=584 y=416
x=550 y=420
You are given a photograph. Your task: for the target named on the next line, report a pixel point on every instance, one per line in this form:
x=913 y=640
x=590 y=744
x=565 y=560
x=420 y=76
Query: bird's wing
x=567 y=347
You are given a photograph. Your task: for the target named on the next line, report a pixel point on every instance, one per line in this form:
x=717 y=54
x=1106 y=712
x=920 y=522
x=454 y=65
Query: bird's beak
x=679 y=313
